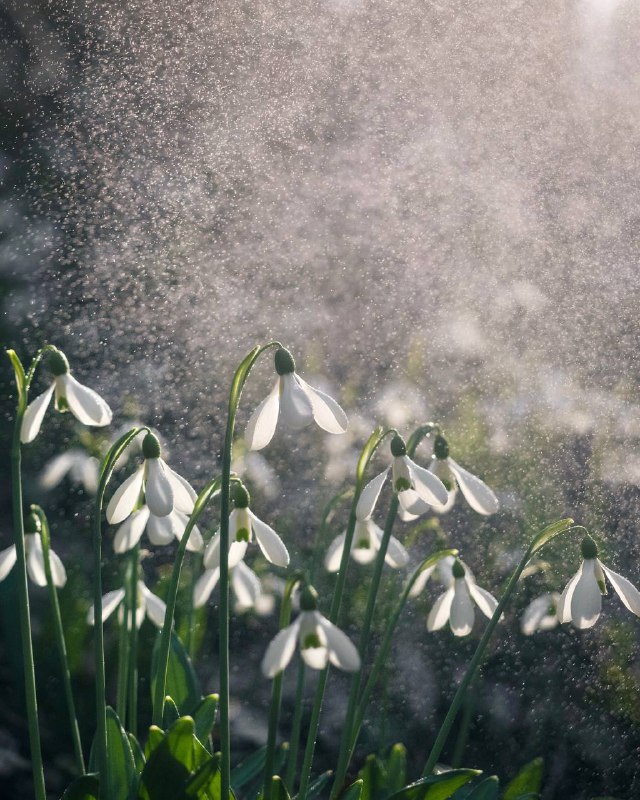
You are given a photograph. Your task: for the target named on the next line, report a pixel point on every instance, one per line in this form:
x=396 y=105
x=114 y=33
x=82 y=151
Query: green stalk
x=296 y=729
x=45 y=538
x=123 y=667
x=365 y=633
x=368 y=451
x=160 y=686
x=22 y=384
x=132 y=631
x=276 y=691
x=539 y=541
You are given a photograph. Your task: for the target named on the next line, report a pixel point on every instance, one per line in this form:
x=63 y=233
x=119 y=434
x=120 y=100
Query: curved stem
x=45 y=538
x=539 y=541
x=296 y=728
x=23 y=591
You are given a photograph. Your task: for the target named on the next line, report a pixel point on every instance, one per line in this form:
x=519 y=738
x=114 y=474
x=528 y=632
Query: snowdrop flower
x=160 y=530
x=147 y=604
x=245 y=584
x=479 y=496
x=86 y=405
x=455 y=606
x=243 y=526
x=163 y=489
x=541 y=614
x=319 y=640
x=417 y=488
x=81 y=468
x=581 y=601
x=292 y=403
x=443 y=570
x=367 y=535
x=35 y=562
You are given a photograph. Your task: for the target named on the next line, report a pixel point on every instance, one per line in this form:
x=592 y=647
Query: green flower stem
x=539 y=541
x=368 y=451
x=21 y=571
x=348 y=731
x=132 y=631
x=276 y=692
x=123 y=668
x=106 y=471
x=296 y=729
x=45 y=538
x=237 y=385
x=159 y=689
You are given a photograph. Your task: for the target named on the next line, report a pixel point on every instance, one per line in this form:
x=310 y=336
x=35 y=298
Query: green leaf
x=488 y=789
x=549 y=532
x=170 y=713
x=170 y=765
x=138 y=755
x=397 y=768
x=318 y=785
x=204 y=716
x=374 y=779
x=436 y=787
x=368 y=450
x=249 y=768
x=156 y=736
x=21 y=378
x=121 y=772
x=354 y=792
x=86 y=787
x=527 y=781
x=182 y=684
x=206 y=782
x=278 y=789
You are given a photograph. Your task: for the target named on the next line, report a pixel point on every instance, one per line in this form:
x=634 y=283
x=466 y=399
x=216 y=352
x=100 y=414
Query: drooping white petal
x=86 y=471
x=461 y=617
x=366 y=541
x=439 y=614
x=485 y=601
x=280 y=650
x=625 y=590
x=315 y=657
x=237 y=552
x=195 y=543
x=296 y=411
x=313 y=640
x=444 y=570
x=400 y=471
x=161 y=530
x=157 y=489
x=211 y=558
x=246 y=586
x=428 y=486
x=205 y=584
x=33 y=416
x=334 y=554
x=270 y=543
x=110 y=601
x=58 y=572
x=35 y=559
x=342 y=651
x=326 y=412
x=8 y=559
x=421 y=581
x=129 y=533
x=479 y=496
x=564 y=606
x=56 y=469
x=125 y=497
x=440 y=467
x=155 y=608
x=86 y=405
x=540 y=614
x=396 y=555
x=184 y=495
x=262 y=423
x=369 y=496
x=586 y=603
x=412 y=505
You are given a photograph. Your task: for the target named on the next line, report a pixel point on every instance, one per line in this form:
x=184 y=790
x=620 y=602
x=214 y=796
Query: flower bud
x=589 y=548
x=457 y=569
x=151 y=446
x=398 y=447
x=440 y=447
x=284 y=362
x=58 y=363
x=309 y=599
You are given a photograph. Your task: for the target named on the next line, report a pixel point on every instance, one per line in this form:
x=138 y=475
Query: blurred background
x=435 y=205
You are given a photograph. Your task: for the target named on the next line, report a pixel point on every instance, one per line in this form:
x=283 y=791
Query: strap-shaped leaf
x=549 y=532
x=355 y=791
x=278 y=789
x=86 y=787
x=436 y=787
x=121 y=772
x=204 y=716
x=488 y=789
x=170 y=765
x=182 y=684
x=527 y=781
x=397 y=768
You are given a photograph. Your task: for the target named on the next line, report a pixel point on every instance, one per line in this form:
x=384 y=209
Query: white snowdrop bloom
x=541 y=614
x=417 y=488
x=293 y=404
x=257 y=469
x=35 y=562
x=77 y=464
x=147 y=604
x=319 y=640
x=367 y=535
x=443 y=571
x=163 y=489
x=455 y=606
x=243 y=526
x=479 y=496
x=581 y=601
x=245 y=585
x=86 y=405
x=160 y=530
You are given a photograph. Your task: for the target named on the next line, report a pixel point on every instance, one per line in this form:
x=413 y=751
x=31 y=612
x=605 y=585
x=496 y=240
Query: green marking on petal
x=402 y=484
x=311 y=641
x=242 y=535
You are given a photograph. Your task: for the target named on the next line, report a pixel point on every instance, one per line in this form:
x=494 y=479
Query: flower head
x=35 y=562
x=293 y=404
x=581 y=601
x=541 y=614
x=243 y=526
x=245 y=584
x=367 y=535
x=455 y=606
x=147 y=604
x=163 y=489
x=86 y=405
x=319 y=640
x=78 y=464
x=417 y=488
x=160 y=530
